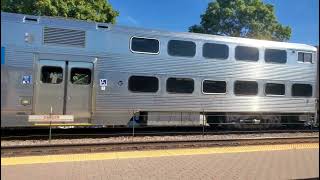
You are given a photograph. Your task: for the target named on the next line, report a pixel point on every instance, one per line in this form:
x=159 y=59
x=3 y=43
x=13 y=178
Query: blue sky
x=177 y=15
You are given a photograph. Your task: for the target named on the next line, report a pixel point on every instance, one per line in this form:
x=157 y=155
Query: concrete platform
x=294 y=161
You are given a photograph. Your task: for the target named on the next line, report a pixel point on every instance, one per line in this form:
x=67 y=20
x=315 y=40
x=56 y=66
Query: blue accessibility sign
x=26 y=79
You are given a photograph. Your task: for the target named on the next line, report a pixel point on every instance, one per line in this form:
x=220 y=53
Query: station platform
x=287 y=161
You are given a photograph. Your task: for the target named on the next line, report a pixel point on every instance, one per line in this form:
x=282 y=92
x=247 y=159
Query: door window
x=51 y=74
x=80 y=76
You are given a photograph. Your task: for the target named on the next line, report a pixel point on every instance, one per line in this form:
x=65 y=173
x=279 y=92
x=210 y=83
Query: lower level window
x=302 y=90
x=143 y=84
x=275 y=89
x=180 y=85
x=209 y=86
x=246 y=88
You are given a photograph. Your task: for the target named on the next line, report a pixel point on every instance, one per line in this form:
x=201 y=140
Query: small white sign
x=52 y=118
x=103 y=82
x=103 y=88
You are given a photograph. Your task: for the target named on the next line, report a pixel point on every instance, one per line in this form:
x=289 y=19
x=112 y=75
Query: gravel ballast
x=123 y=139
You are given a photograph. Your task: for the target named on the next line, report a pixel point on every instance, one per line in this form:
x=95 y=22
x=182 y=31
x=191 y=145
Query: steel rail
x=146 y=132
x=45 y=149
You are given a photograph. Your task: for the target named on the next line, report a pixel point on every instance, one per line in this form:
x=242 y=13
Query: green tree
x=92 y=10
x=242 y=18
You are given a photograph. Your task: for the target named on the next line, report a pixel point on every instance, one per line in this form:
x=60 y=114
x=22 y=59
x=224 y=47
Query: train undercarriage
x=224 y=119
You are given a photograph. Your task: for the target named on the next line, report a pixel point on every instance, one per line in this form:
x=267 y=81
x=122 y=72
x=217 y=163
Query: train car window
x=51 y=74
x=81 y=76
x=245 y=88
x=274 y=89
x=145 y=45
x=215 y=51
x=304 y=90
x=180 y=85
x=244 y=53
x=305 y=57
x=143 y=84
x=181 y=48
x=209 y=86
x=275 y=56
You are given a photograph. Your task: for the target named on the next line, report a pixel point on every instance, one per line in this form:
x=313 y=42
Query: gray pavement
x=270 y=165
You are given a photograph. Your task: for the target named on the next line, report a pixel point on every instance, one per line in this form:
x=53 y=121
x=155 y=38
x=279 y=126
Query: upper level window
x=246 y=88
x=244 y=53
x=51 y=74
x=143 y=84
x=145 y=45
x=209 y=86
x=180 y=85
x=81 y=76
x=305 y=57
x=274 y=89
x=215 y=51
x=275 y=56
x=181 y=48
x=302 y=90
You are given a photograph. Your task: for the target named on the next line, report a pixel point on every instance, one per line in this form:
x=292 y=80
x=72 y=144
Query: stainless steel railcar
x=104 y=74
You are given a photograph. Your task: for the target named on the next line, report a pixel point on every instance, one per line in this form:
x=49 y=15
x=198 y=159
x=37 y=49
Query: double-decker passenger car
x=102 y=74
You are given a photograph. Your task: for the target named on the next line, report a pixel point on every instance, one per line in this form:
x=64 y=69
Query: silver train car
x=107 y=75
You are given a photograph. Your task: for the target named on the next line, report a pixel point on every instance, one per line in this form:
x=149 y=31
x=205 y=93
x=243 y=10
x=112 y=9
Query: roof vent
x=30 y=19
x=103 y=26
x=64 y=37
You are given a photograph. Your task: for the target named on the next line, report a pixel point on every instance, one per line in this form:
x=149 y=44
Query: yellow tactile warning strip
x=150 y=153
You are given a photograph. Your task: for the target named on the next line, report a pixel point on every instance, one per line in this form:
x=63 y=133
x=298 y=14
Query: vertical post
x=50 y=132
x=50 y=125
x=316 y=114
x=133 y=122
x=202 y=122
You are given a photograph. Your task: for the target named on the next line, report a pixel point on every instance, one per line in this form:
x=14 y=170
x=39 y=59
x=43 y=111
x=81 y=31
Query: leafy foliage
x=242 y=18
x=94 y=10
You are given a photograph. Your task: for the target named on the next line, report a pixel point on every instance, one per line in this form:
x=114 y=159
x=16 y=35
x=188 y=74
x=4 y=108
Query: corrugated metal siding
x=198 y=67
x=19 y=58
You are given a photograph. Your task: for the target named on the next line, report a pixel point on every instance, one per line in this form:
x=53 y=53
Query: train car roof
x=90 y=25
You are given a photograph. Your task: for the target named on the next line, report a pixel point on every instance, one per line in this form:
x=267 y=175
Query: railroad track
x=46 y=149
x=37 y=134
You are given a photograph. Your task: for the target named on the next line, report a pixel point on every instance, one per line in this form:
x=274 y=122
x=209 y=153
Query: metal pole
x=50 y=125
x=202 y=122
x=50 y=132
x=133 y=123
x=316 y=114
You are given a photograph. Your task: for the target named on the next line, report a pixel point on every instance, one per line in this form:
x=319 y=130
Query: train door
x=79 y=89
x=49 y=87
x=64 y=87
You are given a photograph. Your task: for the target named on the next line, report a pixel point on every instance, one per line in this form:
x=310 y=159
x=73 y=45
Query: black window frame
x=205 y=45
x=302 y=96
x=52 y=66
x=265 y=89
x=179 y=55
x=202 y=86
x=137 y=91
x=238 y=94
x=90 y=76
x=144 y=52
x=303 y=56
x=273 y=61
x=236 y=56
x=177 y=92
